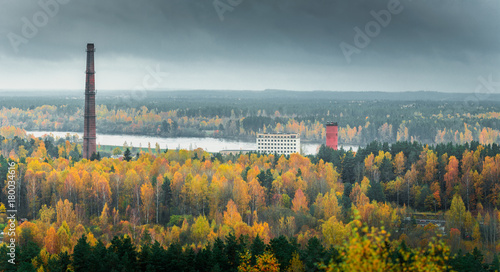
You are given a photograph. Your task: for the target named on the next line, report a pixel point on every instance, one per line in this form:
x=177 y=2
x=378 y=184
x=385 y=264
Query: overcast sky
x=436 y=45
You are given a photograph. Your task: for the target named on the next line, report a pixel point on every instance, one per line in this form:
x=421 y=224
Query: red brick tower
x=89 y=136
x=332 y=131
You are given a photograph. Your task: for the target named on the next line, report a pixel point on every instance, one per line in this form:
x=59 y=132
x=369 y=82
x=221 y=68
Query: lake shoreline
x=231 y=138
x=209 y=144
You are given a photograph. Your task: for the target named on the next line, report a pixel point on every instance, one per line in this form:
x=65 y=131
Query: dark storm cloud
x=261 y=32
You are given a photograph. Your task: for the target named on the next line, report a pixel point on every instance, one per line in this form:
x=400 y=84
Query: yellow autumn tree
x=334 y=231
x=147 y=197
x=455 y=217
x=296 y=265
x=262 y=230
x=369 y=250
x=399 y=164
x=200 y=229
x=104 y=218
x=64 y=237
x=240 y=195
x=264 y=263
x=327 y=205
x=65 y=212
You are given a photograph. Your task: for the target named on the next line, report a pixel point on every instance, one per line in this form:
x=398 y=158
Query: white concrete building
x=279 y=143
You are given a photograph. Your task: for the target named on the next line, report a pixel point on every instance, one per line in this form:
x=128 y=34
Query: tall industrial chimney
x=89 y=135
x=332 y=137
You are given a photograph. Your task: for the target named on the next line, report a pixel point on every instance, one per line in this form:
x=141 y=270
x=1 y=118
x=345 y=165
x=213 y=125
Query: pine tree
x=386 y=170
x=233 y=250
x=258 y=248
x=99 y=261
x=221 y=261
x=189 y=258
x=75 y=154
x=495 y=264
x=175 y=258
x=314 y=254
x=282 y=250
x=346 y=200
x=146 y=237
x=127 y=155
x=63 y=261
x=157 y=259
x=4 y=259
x=82 y=255
x=167 y=198
x=348 y=166
x=376 y=192
x=204 y=260
x=144 y=258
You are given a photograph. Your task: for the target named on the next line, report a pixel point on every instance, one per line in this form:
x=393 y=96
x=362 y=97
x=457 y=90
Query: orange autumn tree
x=257 y=195
x=231 y=215
x=299 y=202
x=451 y=176
x=51 y=241
x=491 y=175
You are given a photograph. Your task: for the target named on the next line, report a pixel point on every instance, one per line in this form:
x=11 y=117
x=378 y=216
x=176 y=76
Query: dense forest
x=195 y=211
x=426 y=117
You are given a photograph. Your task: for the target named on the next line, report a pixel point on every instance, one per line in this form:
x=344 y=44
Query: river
x=208 y=144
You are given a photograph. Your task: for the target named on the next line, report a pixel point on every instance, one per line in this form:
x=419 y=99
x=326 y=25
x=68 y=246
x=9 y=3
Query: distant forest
x=427 y=117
